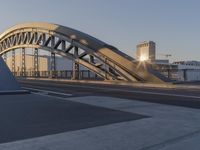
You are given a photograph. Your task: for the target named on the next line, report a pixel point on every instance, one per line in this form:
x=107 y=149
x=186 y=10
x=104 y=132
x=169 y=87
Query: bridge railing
x=65 y=74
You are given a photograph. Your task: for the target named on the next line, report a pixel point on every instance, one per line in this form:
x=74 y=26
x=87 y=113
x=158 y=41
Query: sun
x=143 y=58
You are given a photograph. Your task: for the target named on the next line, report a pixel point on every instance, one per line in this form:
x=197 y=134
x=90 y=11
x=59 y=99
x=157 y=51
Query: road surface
x=60 y=116
x=180 y=97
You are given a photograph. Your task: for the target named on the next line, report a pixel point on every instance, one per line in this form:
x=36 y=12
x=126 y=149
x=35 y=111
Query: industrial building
x=180 y=71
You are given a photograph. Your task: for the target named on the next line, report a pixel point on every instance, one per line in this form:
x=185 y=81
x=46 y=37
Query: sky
x=173 y=24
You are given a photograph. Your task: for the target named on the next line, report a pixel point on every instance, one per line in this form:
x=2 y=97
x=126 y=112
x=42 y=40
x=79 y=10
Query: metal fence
x=66 y=74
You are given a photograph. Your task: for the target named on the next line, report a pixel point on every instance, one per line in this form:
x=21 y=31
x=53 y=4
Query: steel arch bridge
x=104 y=60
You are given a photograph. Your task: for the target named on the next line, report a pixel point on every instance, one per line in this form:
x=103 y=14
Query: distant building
x=180 y=71
x=177 y=71
x=146 y=51
x=188 y=64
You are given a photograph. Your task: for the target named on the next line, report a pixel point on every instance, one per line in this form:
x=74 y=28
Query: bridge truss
x=104 y=60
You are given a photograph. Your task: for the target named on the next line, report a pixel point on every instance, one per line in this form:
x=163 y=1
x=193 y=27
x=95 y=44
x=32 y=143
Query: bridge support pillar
x=75 y=75
x=23 y=62
x=53 y=65
x=36 y=63
x=91 y=60
x=13 y=61
x=75 y=71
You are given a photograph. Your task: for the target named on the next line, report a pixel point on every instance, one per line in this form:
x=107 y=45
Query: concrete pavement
x=165 y=128
x=31 y=115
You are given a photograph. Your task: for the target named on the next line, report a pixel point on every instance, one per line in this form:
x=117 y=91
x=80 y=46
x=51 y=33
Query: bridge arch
x=82 y=48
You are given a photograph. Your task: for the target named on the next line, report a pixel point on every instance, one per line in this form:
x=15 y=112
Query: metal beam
x=23 y=62
x=57 y=44
x=53 y=65
x=53 y=61
x=47 y=41
x=36 y=63
x=68 y=48
x=52 y=42
x=75 y=65
x=83 y=55
x=91 y=59
x=5 y=57
x=13 y=60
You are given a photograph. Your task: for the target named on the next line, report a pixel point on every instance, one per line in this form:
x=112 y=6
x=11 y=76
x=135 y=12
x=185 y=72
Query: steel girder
x=105 y=60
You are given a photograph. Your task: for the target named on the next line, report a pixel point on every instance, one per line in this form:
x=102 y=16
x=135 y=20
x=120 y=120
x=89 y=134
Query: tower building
x=146 y=51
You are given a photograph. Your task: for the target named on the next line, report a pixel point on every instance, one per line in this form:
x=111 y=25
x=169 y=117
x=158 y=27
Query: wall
x=193 y=75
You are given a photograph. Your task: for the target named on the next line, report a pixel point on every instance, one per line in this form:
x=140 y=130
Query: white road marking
x=41 y=94
x=44 y=92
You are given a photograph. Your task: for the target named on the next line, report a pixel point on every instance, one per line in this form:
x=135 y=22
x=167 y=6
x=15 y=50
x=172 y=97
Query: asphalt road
x=25 y=116
x=179 y=97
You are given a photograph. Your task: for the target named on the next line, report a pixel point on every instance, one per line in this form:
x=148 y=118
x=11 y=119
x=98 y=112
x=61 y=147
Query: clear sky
x=173 y=24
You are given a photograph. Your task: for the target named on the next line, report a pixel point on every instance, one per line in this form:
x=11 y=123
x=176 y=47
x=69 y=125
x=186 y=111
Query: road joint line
x=47 y=91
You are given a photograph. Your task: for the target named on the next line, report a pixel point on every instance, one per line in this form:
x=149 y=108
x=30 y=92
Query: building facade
x=146 y=51
x=180 y=71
